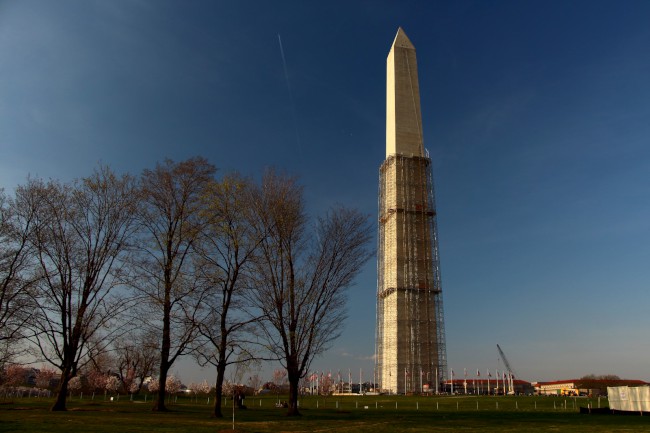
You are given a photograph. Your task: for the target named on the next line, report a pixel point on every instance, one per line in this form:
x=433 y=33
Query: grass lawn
x=361 y=414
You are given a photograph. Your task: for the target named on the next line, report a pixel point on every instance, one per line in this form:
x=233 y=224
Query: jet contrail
x=293 y=105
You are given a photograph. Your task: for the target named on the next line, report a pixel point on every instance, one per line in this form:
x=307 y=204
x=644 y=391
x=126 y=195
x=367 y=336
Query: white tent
x=635 y=399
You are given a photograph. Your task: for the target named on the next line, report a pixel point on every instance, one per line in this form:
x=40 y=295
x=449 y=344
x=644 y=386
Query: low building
x=575 y=387
x=557 y=387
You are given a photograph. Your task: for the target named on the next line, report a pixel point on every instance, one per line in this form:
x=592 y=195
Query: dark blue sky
x=536 y=115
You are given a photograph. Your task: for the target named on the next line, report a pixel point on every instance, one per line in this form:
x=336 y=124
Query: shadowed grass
x=333 y=414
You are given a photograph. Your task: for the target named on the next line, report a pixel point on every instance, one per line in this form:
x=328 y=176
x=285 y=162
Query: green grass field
x=375 y=414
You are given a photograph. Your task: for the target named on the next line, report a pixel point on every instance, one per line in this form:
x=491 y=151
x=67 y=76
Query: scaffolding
x=410 y=334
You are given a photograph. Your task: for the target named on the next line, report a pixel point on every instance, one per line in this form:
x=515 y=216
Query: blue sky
x=536 y=115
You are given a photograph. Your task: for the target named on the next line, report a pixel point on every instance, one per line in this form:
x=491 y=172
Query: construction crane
x=511 y=372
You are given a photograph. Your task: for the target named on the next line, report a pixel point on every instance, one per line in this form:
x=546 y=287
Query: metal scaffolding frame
x=410 y=333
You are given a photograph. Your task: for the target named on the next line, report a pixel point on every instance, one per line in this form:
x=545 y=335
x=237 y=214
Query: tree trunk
x=159 y=404
x=165 y=344
x=294 y=379
x=221 y=370
x=59 y=404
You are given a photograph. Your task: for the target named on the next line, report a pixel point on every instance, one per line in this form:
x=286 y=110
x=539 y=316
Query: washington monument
x=410 y=335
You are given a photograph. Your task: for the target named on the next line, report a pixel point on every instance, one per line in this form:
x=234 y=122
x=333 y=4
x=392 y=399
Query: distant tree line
x=125 y=274
x=602 y=381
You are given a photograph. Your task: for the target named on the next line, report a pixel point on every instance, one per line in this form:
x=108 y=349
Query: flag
x=489 y=374
x=452 y=373
x=478 y=373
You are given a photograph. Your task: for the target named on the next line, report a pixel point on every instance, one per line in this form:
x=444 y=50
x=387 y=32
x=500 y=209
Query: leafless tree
x=301 y=277
x=227 y=248
x=171 y=222
x=80 y=238
x=136 y=355
x=16 y=223
x=255 y=382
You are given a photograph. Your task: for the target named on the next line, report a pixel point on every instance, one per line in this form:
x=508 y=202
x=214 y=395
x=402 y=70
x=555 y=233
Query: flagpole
x=452 y=381
x=340 y=385
x=360 y=380
x=350 y=380
x=488 y=389
x=437 y=384
x=465 y=380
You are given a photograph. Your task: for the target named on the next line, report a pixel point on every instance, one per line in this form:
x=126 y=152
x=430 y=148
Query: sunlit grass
x=360 y=414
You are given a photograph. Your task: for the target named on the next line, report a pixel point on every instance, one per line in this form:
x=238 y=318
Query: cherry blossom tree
x=204 y=388
x=173 y=384
x=152 y=385
x=96 y=380
x=113 y=384
x=228 y=387
x=74 y=384
x=135 y=387
x=200 y=388
x=14 y=375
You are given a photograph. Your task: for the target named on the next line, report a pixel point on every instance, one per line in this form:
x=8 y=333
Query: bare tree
x=301 y=277
x=80 y=238
x=171 y=221
x=255 y=382
x=136 y=355
x=227 y=248
x=16 y=223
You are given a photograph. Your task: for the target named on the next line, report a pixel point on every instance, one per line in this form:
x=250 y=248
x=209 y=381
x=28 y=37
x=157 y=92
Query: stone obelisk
x=410 y=340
